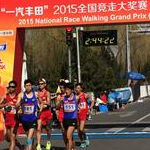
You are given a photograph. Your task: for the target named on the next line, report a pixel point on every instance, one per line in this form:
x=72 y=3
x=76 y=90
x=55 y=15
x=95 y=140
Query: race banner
x=20 y=14
x=72 y=12
x=7 y=50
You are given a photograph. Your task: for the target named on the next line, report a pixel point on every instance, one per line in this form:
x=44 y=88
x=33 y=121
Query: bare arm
x=77 y=98
x=48 y=99
x=59 y=101
x=20 y=96
x=92 y=101
x=44 y=104
x=2 y=103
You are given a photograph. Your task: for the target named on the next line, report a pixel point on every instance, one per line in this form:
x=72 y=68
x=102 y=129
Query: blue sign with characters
x=3 y=47
x=123 y=95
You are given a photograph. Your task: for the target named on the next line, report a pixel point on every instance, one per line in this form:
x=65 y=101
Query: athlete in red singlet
x=11 y=122
x=60 y=112
x=82 y=115
x=45 y=115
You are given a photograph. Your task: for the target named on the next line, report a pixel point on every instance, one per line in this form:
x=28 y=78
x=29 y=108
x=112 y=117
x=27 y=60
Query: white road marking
x=113 y=129
x=95 y=133
x=146 y=129
x=130 y=113
x=140 y=119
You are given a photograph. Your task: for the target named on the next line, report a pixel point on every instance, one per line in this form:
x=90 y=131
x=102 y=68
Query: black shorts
x=29 y=125
x=69 y=122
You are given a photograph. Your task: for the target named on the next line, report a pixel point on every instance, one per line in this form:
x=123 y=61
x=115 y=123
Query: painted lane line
x=137 y=121
x=146 y=129
x=105 y=133
x=113 y=129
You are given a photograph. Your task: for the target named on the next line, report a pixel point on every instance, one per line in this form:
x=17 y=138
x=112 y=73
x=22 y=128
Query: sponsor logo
x=2 y=65
x=6 y=33
x=3 y=47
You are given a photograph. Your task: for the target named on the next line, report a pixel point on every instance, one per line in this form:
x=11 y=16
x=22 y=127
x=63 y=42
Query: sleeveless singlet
x=12 y=102
x=70 y=108
x=83 y=103
x=29 y=107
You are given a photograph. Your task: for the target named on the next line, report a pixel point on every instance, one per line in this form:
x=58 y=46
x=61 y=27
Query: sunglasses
x=12 y=87
x=41 y=83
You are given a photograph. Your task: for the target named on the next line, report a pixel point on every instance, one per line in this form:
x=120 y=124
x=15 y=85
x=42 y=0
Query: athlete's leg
x=63 y=133
x=49 y=128
x=12 y=139
x=29 y=139
x=7 y=134
x=39 y=126
x=65 y=138
x=81 y=130
x=14 y=130
x=70 y=137
x=83 y=137
x=78 y=128
x=48 y=143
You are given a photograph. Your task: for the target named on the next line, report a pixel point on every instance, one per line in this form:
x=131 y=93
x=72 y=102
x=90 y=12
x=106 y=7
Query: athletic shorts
x=10 y=120
x=46 y=117
x=82 y=116
x=29 y=125
x=60 y=116
x=69 y=122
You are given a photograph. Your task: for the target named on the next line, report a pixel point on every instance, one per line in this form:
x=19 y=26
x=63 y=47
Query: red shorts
x=10 y=121
x=60 y=116
x=82 y=116
x=45 y=116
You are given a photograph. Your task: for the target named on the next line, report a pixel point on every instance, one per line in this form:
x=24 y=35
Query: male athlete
x=29 y=103
x=70 y=107
x=60 y=111
x=82 y=114
x=45 y=115
x=10 y=115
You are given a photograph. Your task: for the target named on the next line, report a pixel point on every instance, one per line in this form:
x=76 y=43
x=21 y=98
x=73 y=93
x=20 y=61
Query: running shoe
x=87 y=141
x=38 y=147
x=83 y=145
x=48 y=145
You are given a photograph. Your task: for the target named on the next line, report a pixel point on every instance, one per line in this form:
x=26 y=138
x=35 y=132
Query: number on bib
x=28 y=109
x=69 y=107
x=13 y=109
x=83 y=105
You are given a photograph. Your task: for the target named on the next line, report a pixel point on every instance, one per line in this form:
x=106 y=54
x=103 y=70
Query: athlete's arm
x=40 y=104
x=59 y=98
x=38 y=98
x=48 y=98
x=87 y=96
x=20 y=96
x=59 y=102
x=78 y=99
x=2 y=102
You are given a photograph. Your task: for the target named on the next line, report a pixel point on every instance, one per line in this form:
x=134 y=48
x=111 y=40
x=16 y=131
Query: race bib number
x=83 y=105
x=13 y=109
x=28 y=109
x=69 y=107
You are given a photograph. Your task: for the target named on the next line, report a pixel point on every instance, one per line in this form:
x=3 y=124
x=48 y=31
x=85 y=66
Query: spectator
x=97 y=103
x=103 y=97
x=111 y=100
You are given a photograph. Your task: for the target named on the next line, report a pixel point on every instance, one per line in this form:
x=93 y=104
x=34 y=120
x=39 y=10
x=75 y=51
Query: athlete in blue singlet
x=28 y=102
x=70 y=106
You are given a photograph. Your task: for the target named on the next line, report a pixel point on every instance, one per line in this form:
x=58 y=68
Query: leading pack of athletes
x=32 y=109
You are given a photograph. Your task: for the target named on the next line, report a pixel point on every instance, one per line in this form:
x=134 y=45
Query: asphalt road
x=126 y=129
